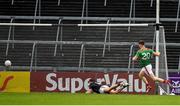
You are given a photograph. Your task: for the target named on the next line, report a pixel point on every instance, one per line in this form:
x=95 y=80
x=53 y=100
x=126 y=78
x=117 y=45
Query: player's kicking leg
x=153 y=77
x=148 y=71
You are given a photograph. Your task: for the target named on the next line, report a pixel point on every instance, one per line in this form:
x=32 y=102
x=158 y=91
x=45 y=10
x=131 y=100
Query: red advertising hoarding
x=78 y=81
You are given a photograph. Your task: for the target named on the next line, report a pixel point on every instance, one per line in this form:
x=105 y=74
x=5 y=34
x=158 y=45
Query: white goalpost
x=161 y=68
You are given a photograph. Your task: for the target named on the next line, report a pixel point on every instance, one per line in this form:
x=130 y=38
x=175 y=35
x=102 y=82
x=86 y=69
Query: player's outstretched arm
x=156 y=53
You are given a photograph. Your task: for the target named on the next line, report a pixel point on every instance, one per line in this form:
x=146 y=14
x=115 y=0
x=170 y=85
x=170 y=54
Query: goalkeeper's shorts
x=101 y=90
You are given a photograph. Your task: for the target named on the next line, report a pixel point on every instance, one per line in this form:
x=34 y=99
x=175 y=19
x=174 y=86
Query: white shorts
x=148 y=70
x=101 y=90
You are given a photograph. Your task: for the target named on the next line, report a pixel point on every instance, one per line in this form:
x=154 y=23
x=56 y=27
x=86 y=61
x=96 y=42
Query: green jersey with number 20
x=144 y=57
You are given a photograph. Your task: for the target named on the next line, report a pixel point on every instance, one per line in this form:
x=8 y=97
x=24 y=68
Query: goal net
x=163 y=67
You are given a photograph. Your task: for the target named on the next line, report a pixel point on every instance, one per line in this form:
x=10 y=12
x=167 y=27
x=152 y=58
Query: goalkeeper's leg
x=108 y=89
x=112 y=89
x=122 y=86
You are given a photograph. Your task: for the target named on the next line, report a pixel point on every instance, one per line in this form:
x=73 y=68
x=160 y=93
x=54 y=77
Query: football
x=7 y=63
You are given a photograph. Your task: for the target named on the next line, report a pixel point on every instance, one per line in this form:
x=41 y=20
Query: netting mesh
x=163 y=67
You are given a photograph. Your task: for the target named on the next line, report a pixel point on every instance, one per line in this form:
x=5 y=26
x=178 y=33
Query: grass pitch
x=85 y=99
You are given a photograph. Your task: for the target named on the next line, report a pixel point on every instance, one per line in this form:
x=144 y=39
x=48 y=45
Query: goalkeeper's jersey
x=95 y=87
x=144 y=57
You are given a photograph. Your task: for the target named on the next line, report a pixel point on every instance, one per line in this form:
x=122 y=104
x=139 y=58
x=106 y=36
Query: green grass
x=85 y=99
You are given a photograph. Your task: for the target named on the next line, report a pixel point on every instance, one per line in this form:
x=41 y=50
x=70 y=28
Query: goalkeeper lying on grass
x=105 y=89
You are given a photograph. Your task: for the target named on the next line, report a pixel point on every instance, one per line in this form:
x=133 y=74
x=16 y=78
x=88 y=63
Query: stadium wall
x=78 y=81
x=14 y=81
x=175 y=78
x=67 y=81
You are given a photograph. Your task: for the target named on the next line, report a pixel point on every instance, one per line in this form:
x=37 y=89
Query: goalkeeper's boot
x=148 y=88
x=125 y=85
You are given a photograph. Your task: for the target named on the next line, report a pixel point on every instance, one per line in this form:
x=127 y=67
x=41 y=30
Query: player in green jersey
x=143 y=55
